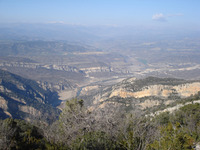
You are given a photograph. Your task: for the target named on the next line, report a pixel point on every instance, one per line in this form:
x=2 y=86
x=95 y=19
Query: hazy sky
x=103 y=12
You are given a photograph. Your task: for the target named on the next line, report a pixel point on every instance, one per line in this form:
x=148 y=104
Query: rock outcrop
x=182 y=90
x=146 y=93
x=22 y=98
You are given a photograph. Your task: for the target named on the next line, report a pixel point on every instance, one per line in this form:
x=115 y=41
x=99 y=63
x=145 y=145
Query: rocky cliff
x=141 y=94
x=37 y=66
x=25 y=99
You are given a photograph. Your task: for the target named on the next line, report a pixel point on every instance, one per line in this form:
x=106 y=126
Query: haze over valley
x=69 y=65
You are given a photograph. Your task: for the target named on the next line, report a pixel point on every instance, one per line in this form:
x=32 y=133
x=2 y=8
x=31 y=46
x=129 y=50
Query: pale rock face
x=96 y=69
x=36 y=65
x=3 y=103
x=67 y=94
x=1 y=88
x=188 y=89
x=183 y=90
x=148 y=103
x=131 y=80
x=87 y=89
x=21 y=87
x=30 y=110
x=168 y=102
x=4 y=106
x=18 y=100
x=143 y=96
x=58 y=87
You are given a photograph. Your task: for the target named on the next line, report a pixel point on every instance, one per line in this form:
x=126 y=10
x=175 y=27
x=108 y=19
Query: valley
x=138 y=79
x=99 y=75
x=69 y=67
x=99 y=89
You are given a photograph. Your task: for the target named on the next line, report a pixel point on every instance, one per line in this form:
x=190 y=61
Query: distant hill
x=34 y=48
x=22 y=98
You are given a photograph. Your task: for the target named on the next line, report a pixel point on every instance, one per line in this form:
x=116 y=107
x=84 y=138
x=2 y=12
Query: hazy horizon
x=169 y=14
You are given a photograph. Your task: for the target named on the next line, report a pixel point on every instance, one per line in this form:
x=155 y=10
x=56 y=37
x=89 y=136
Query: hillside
x=22 y=98
x=143 y=94
x=39 y=48
x=107 y=127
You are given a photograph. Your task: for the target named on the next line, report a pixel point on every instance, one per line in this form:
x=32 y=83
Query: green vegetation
x=108 y=128
x=172 y=137
x=18 y=134
x=179 y=130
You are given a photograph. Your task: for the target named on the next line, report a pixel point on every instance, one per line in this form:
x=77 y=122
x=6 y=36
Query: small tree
x=72 y=121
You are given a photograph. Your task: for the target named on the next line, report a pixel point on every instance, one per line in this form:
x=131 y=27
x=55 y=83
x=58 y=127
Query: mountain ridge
x=24 y=99
x=147 y=93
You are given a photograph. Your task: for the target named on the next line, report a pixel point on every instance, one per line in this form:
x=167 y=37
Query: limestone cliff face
x=37 y=65
x=96 y=69
x=86 y=90
x=30 y=110
x=4 y=106
x=148 y=92
x=56 y=86
x=182 y=90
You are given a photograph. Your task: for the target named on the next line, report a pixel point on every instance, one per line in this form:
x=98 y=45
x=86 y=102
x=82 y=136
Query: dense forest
x=110 y=128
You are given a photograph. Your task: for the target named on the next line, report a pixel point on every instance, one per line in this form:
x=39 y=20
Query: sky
x=103 y=12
